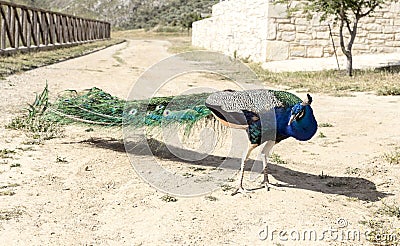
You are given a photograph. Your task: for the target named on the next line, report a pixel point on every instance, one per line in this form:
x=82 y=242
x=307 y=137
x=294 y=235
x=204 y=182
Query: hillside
x=128 y=14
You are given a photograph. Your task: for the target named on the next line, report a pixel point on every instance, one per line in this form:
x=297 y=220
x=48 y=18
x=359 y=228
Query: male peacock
x=267 y=116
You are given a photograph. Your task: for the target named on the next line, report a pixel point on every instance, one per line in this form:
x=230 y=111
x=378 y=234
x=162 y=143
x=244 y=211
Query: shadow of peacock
x=352 y=187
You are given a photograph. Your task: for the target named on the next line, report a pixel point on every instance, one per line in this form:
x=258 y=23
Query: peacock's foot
x=270 y=186
x=242 y=191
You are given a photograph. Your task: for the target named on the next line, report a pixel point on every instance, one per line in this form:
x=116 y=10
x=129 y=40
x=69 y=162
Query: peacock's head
x=302 y=124
x=299 y=110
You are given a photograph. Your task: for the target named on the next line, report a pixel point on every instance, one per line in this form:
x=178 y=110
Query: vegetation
x=381 y=227
x=132 y=14
x=35 y=121
x=25 y=61
x=277 y=159
x=393 y=157
x=168 y=198
x=347 y=13
x=383 y=81
x=8 y=214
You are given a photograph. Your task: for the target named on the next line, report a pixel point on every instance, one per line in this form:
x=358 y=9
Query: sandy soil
x=96 y=198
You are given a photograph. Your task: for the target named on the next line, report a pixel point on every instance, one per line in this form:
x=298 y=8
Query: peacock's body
x=267 y=116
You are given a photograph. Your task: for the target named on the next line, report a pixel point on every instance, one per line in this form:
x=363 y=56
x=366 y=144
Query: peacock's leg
x=246 y=155
x=264 y=156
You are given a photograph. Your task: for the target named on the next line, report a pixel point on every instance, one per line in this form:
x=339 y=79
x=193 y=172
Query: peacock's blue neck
x=302 y=130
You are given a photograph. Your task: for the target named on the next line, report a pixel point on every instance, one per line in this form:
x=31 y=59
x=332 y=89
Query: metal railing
x=25 y=28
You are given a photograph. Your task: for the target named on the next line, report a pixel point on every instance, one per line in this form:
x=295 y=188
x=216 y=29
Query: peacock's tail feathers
x=98 y=107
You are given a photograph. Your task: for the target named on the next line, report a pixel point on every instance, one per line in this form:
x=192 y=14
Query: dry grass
x=382 y=81
x=8 y=214
x=25 y=61
x=381 y=228
x=393 y=157
x=180 y=41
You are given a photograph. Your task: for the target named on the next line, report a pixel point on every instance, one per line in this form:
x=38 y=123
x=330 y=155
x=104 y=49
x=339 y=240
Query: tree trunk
x=349 y=57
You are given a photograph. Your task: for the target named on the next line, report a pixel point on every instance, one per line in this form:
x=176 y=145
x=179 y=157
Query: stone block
x=288 y=36
x=283 y=20
x=286 y=27
x=303 y=36
x=392 y=43
x=277 y=50
x=322 y=35
x=373 y=27
x=396 y=21
x=297 y=51
x=307 y=42
x=277 y=11
x=390 y=29
x=315 y=52
x=272 y=30
x=300 y=28
x=302 y=21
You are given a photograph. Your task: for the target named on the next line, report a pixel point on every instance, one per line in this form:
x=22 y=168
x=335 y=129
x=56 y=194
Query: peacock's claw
x=242 y=191
x=270 y=186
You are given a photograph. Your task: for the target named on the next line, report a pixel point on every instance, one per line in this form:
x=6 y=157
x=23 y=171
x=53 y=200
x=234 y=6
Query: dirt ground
x=82 y=190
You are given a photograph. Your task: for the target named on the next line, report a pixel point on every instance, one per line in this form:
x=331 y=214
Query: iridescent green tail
x=98 y=107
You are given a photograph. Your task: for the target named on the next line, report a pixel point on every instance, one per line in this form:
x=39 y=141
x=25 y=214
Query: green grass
x=26 y=61
x=226 y=187
x=15 y=165
x=352 y=171
x=9 y=186
x=8 y=214
x=325 y=125
x=277 y=159
x=393 y=157
x=7 y=193
x=211 y=198
x=35 y=121
x=6 y=153
x=168 y=198
x=391 y=210
x=60 y=159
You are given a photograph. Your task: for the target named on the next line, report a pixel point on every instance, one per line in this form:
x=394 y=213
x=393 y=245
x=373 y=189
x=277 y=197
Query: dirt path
x=96 y=198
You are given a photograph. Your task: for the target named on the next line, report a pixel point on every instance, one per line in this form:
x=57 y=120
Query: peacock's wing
x=229 y=106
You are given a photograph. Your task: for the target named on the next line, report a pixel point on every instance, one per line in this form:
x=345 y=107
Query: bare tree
x=347 y=13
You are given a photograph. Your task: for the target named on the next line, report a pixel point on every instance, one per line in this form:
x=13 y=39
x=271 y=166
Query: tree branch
x=372 y=8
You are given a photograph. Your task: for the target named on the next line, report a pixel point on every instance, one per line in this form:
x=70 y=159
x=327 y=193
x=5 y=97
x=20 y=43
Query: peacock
x=267 y=116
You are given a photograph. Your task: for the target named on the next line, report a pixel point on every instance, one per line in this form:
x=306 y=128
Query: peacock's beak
x=292 y=118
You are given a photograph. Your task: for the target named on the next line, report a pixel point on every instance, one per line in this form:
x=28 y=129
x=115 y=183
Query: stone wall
x=237 y=27
x=262 y=31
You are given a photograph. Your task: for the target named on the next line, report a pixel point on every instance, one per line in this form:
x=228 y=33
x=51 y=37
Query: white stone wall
x=236 y=27
x=261 y=31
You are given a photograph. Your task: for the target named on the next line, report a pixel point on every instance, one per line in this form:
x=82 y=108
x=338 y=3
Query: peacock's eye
x=159 y=107
x=300 y=115
x=166 y=112
x=133 y=111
